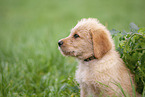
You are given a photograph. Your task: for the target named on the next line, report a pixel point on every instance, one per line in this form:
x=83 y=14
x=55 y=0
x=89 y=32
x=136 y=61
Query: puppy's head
x=88 y=38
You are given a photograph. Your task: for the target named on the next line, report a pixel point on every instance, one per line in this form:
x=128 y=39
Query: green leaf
x=141 y=30
x=124 y=32
x=133 y=27
x=143 y=59
x=114 y=32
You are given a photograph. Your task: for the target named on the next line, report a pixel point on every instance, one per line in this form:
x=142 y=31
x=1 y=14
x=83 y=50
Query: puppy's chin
x=67 y=53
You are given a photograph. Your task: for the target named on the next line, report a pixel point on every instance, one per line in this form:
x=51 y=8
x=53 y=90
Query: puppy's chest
x=85 y=74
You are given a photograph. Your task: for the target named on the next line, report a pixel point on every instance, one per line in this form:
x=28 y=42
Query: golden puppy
x=100 y=67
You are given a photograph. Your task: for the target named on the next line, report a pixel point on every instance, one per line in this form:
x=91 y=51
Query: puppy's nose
x=60 y=43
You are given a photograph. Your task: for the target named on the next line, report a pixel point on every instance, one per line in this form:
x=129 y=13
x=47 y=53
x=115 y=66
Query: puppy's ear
x=101 y=43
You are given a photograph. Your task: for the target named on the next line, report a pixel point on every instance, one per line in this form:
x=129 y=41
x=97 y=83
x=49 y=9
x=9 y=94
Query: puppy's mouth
x=68 y=53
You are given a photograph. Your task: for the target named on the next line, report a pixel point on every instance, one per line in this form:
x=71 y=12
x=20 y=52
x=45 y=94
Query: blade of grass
x=133 y=88
x=118 y=85
x=108 y=87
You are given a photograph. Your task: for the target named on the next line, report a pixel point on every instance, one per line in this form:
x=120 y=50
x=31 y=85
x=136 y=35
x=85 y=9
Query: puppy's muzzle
x=60 y=43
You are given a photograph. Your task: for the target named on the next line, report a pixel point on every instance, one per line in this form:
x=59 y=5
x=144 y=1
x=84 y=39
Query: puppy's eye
x=76 y=36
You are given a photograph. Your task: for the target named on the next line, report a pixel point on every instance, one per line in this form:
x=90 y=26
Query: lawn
x=30 y=62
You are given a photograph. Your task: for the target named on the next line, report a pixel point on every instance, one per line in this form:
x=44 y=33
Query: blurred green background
x=30 y=62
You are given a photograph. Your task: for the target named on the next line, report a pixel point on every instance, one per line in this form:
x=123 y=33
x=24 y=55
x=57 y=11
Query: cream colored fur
x=96 y=77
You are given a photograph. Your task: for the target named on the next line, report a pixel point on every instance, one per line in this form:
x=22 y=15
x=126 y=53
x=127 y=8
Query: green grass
x=30 y=62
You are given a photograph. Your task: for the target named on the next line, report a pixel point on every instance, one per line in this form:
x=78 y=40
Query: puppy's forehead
x=81 y=31
x=85 y=25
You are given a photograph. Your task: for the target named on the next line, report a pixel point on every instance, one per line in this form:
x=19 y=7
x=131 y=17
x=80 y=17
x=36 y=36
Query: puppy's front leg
x=83 y=92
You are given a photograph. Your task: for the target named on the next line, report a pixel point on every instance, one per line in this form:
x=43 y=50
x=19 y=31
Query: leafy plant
x=69 y=87
x=131 y=46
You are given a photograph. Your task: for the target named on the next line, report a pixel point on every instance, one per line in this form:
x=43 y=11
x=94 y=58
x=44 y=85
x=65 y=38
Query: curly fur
x=98 y=76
